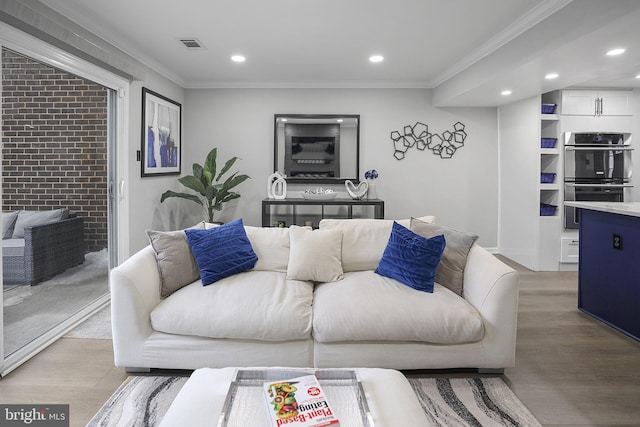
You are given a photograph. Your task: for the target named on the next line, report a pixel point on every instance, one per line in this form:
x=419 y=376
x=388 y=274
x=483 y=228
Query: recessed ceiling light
x=614 y=52
x=551 y=76
x=238 y=58
x=339 y=120
x=376 y=58
x=638 y=76
x=505 y=93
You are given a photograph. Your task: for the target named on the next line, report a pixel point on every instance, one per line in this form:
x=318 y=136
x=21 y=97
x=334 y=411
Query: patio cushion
x=13 y=247
x=34 y=218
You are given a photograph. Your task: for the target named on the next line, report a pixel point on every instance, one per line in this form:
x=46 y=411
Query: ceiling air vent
x=191 y=43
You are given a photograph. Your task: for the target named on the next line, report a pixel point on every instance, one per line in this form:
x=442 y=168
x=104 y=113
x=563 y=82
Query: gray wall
x=462 y=191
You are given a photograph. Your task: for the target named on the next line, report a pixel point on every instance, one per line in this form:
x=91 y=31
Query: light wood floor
x=570 y=369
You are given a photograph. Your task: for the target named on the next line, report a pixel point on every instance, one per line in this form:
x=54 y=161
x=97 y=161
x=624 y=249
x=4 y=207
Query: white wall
x=462 y=192
x=519 y=127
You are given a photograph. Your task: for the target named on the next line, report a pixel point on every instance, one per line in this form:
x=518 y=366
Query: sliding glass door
x=60 y=128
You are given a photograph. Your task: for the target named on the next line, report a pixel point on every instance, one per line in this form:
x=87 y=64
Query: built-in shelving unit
x=550 y=170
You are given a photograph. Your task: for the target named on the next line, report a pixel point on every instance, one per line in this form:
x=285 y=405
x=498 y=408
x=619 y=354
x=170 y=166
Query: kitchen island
x=609 y=263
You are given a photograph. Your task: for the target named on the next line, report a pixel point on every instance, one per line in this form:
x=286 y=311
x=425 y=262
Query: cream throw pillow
x=315 y=255
x=271 y=244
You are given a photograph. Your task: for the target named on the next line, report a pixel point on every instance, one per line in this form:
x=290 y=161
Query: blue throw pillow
x=221 y=251
x=411 y=259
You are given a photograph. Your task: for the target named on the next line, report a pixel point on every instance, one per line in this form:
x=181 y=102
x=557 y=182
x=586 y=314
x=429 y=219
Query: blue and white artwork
x=161 y=135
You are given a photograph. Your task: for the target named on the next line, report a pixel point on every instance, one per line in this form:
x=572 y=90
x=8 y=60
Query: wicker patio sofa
x=44 y=251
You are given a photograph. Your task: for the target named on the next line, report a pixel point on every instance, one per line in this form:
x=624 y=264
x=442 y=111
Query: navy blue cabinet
x=609 y=269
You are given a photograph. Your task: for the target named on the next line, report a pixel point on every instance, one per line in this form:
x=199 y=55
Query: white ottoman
x=390 y=397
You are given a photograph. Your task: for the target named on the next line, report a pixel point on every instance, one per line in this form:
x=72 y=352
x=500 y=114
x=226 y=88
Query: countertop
x=622 y=208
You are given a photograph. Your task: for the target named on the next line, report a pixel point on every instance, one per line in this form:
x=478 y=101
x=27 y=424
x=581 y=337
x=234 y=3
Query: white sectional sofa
x=357 y=318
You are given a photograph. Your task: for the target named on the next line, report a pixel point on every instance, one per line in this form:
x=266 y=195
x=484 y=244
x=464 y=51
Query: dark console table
x=299 y=211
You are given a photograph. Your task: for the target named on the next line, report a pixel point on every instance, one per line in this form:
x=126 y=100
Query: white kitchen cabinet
x=595 y=103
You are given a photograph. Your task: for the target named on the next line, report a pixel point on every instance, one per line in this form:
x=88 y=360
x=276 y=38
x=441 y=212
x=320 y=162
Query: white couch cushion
x=364 y=240
x=271 y=244
x=260 y=305
x=366 y=306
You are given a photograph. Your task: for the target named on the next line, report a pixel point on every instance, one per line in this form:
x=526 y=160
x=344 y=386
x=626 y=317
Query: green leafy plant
x=211 y=192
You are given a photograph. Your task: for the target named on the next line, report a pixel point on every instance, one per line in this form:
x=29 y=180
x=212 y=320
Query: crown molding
x=311 y=84
x=53 y=27
x=115 y=42
x=519 y=26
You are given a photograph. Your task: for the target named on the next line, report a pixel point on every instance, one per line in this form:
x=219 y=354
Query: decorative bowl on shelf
x=547 y=209
x=319 y=194
x=547 y=177
x=548 y=108
x=548 y=142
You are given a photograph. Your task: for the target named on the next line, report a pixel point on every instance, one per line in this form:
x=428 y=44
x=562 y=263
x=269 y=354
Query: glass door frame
x=117 y=146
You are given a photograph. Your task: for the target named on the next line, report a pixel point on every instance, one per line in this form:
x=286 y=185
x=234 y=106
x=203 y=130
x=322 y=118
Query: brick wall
x=54 y=151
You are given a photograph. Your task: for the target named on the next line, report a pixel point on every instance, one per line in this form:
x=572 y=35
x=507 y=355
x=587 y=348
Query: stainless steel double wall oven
x=597 y=167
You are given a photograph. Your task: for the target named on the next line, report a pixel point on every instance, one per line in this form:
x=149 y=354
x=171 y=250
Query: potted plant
x=211 y=192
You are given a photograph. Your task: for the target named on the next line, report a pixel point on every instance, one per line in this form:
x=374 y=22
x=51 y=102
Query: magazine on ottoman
x=299 y=402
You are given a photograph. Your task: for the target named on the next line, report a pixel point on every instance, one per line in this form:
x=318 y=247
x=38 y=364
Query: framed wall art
x=161 y=135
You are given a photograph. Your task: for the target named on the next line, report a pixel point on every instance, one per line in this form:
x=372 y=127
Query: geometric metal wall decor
x=418 y=136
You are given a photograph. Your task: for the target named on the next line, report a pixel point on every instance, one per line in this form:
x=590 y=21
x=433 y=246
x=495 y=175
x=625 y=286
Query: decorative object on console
x=319 y=193
x=356 y=192
x=411 y=259
x=274 y=186
x=418 y=135
x=212 y=194
x=371 y=176
x=279 y=187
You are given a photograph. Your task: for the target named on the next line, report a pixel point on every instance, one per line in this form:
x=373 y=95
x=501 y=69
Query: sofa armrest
x=135 y=292
x=53 y=247
x=491 y=287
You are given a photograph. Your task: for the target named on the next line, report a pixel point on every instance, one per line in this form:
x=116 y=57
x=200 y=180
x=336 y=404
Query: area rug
x=142 y=401
x=471 y=402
